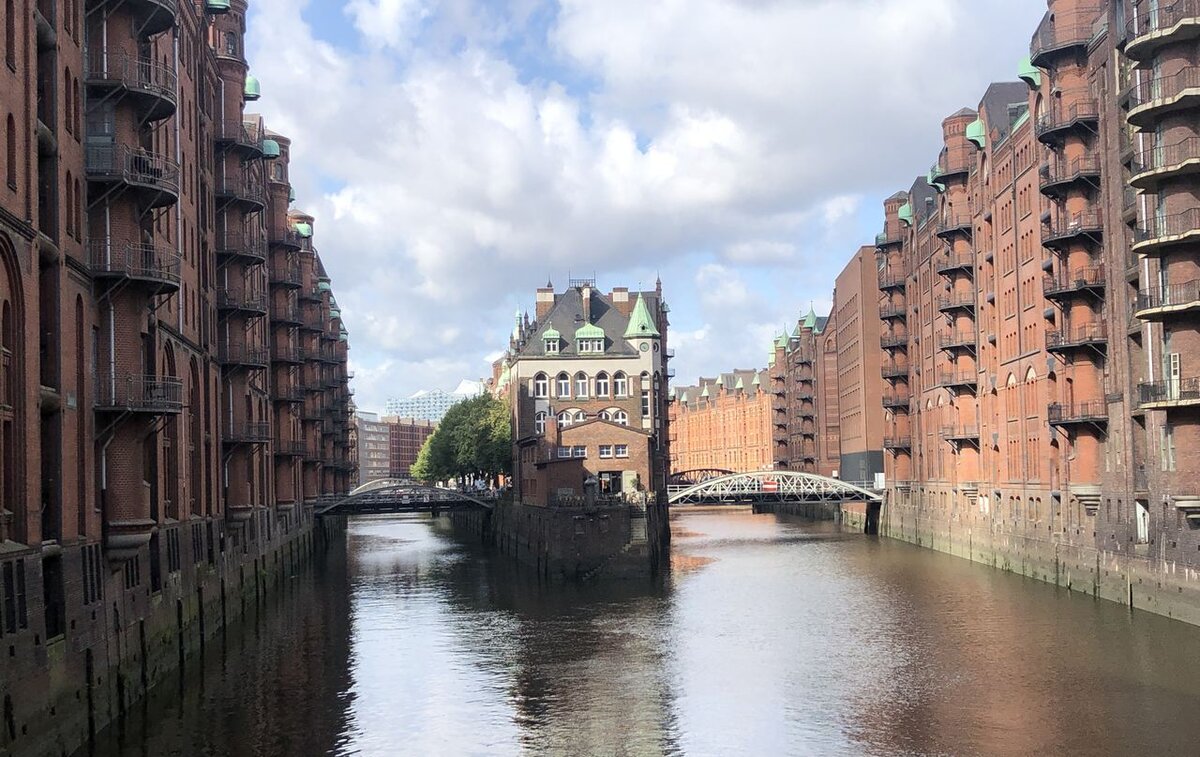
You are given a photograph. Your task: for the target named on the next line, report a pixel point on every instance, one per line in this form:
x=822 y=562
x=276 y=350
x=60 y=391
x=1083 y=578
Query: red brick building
x=406 y=436
x=723 y=423
x=173 y=363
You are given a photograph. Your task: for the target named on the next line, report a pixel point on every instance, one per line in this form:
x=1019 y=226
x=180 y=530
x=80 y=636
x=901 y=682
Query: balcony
x=287 y=237
x=896 y=400
x=1082 y=114
x=958 y=380
x=957 y=223
x=285 y=353
x=292 y=393
x=1154 y=25
x=1094 y=412
x=1155 y=235
x=954 y=341
x=154 y=395
x=153 y=16
x=1159 y=304
x=1065 y=230
x=154 y=177
x=1165 y=163
x=286 y=276
x=891 y=310
x=959 y=433
x=883 y=239
x=242 y=192
x=1082 y=281
x=241 y=302
x=892 y=341
x=247 y=247
x=290 y=447
x=309 y=294
x=890 y=369
x=956 y=301
x=1161 y=395
x=286 y=313
x=891 y=278
x=897 y=442
x=246 y=433
x=1059 y=175
x=151 y=86
x=1069 y=37
x=243 y=137
x=1164 y=95
x=1091 y=335
x=242 y=355
x=150 y=266
x=950 y=263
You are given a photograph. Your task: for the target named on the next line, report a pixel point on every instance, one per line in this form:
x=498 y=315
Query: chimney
x=620 y=300
x=586 y=294
x=545 y=301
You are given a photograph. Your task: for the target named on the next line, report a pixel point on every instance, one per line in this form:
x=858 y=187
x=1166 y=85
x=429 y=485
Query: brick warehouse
x=174 y=364
x=1038 y=295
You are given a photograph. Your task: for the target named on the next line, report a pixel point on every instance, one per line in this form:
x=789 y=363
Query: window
x=541 y=386
x=564 y=453
x=581 y=385
x=1166 y=443
x=621 y=417
x=602 y=384
x=10 y=33
x=622 y=450
x=11 y=150
x=590 y=346
x=551 y=346
x=606 y=451
x=645 y=402
x=579 y=451
x=620 y=385
x=539 y=423
x=563 y=388
x=565 y=418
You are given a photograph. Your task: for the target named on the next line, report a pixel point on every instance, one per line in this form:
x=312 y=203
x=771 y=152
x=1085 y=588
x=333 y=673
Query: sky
x=457 y=154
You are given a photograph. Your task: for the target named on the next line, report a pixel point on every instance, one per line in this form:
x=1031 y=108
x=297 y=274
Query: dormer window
x=591 y=346
x=551 y=346
x=589 y=340
x=551 y=340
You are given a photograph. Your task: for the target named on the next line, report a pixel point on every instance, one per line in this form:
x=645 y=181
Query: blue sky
x=457 y=153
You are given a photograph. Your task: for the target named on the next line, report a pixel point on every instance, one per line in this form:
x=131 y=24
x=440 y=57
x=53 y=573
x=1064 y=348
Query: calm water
x=770 y=637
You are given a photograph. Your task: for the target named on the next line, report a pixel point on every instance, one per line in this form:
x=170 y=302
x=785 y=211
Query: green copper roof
x=1029 y=73
x=551 y=333
x=810 y=320
x=589 y=331
x=905 y=214
x=781 y=340
x=756 y=381
x=253 y=88
x=291 y=195
x=270 y=149
x=740 y=384
x=641 y=324
x=304 y=229
x=324 y=286
x=335 y=313
x=704 y=394
x=216 y=6
x=977 y=133
x=720 y=381
x=933 y=176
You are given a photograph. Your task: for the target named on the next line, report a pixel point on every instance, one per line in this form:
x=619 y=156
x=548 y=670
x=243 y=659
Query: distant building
x=431 y=405
x=723 y=423
x=406 y=436
x=374 y=448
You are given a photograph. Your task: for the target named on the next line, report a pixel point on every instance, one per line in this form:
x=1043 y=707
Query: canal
x=769 y=637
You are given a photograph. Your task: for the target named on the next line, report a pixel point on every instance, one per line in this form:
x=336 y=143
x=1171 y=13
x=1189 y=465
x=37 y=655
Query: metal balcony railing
x=892 y=278
x=955 y=223
x=1162 y=160
x=241 y=300
x=246 y=433
x=897 y=442
x=287 y=237
x=1078 y=412
x=1091 y=334
x=247 y=135
x=157 y=265
x=1157 y=18
x=286 y=313
x=1161 y=90
x=952 y=379
x=892 y=310
x=891 y=369
x=1173 y=297
x=1180 y=391
x=884 y=239
x=1159 y=231
x=889 y=341
x=133 y=166
x=285 y=353
x=956 y=340
x=286 y=275
x=146 y=77
x=1085 y=279
x=896 y=399
x=951 y=263
x=240 y=244
x=1083 y=110
x=1060 y=172
x=288 y=393
x=1054 y=36
x=242 y=189
x=956 y=301
x=1066 y=228
x=139 y=394
x=290 y=447
x=959 y=433
x=234 y=353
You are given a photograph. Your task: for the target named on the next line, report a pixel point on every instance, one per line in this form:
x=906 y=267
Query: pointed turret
x=641 y=323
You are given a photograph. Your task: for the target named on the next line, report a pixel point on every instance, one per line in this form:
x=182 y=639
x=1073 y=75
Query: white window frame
x=621 y=450
x=621 y=418
x=602 y=384
x=606 y=451
x=581 y=385
x=564 y=453
x=620 y=385
x=539 y=422
x=579 y=451
x=551 y=347
x=565 y=418
x=541 y=386
x=561 y=381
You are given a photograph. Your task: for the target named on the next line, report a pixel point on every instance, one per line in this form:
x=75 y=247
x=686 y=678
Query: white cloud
x=454 y=157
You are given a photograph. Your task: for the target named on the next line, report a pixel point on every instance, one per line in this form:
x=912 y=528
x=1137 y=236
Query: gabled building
x=723 y=423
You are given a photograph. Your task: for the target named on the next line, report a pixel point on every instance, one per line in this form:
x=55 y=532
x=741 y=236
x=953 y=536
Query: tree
x=473 y=440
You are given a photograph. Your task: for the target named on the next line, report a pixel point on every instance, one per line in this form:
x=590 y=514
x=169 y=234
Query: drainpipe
x=182 y=181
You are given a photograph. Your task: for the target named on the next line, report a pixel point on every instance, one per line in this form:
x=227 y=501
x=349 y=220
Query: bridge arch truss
x=401 y=496
x=771 y=486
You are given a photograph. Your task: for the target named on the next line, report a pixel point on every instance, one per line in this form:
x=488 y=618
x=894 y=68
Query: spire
x=810 y=320
x=641 y=324
x=740 y=385
x=516 y=334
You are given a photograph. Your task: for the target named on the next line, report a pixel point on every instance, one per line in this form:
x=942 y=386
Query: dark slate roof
x=919 y=197
x=962 y=112
x=997 y=108
x=567 y=316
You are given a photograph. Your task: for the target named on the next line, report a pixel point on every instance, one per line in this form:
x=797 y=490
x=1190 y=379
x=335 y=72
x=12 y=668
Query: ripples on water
x=769 y=637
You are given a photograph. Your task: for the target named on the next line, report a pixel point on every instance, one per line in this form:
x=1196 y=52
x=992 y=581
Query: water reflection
x=769 y=637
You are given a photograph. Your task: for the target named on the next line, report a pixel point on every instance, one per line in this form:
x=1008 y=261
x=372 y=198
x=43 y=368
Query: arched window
x=621 y=417
x=602 y=384
x=539 y=423
x=541 y=386
x=12 y=396
x=563 y=388
x=620 y=385
x=10 y=33
x=565 y=418
x=70 y=206
x=10 y=150
x=580 y=416
x=581 y=384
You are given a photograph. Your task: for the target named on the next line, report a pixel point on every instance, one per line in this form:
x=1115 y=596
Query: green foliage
x=474 y=439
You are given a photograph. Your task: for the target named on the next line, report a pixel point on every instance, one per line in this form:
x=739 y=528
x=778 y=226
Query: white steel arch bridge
x=401 y=495
x=771 y=486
